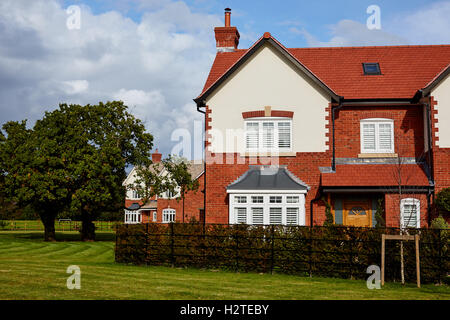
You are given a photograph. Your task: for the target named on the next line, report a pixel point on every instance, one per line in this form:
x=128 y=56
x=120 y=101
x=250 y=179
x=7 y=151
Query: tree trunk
x=87 y=227
x=49 y=228
x=402 y=263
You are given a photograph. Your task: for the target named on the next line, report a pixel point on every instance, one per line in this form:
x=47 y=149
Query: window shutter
x=257 y=216
x=410 y=216
x=275 y=216
x=385 y=133
x=252 y=135
x=369 y=136
x=292 y=216
x=241 y=215
x=284 y=135
x=268 y=135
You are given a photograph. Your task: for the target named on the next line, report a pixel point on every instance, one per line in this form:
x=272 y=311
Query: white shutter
x=252 y=136
x=292 y=216
x=409 y=215
x=284 y=135
x=268 y=135
x=385 y=137
x=257 y=216
x=368 y=137
x=275 y=216
x=241 y=215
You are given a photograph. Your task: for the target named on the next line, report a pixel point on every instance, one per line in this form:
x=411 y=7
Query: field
x=36 y=225
x=33 y=269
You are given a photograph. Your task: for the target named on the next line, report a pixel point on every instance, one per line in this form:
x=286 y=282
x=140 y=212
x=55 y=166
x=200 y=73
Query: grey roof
x=134 y=206
x=268 y=178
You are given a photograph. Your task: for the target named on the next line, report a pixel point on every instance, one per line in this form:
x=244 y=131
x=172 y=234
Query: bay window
x=267 y=208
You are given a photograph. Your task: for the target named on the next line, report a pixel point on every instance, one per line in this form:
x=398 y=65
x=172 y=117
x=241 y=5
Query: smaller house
x=165 y=208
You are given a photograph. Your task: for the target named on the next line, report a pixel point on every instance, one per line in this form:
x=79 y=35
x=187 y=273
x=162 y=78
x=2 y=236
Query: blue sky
x=155 y=55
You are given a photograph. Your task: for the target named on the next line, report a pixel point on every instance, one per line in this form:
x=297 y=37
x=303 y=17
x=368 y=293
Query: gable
x=268 y=78
x=441 y=93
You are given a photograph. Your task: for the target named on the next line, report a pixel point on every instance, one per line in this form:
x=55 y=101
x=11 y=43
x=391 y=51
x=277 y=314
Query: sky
x=155 y=55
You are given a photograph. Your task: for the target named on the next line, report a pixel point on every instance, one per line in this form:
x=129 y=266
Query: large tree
x=34 y=171
x=109 y=139
x=73 y=159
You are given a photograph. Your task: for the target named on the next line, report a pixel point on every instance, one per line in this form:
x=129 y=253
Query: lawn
x=33 y=269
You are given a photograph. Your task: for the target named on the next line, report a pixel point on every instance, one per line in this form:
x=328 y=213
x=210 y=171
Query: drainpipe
x=430 y=159
x=333 y=163
x=201 y=104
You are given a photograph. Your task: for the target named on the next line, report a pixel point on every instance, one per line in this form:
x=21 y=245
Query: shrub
x=443 y=200
x=336 y=251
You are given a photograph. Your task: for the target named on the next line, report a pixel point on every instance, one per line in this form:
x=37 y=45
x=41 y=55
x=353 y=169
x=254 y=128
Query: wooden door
x=357 y=213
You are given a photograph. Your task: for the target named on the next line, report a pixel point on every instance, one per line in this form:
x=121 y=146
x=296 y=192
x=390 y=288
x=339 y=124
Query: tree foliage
x=443 y=200
x=74 y=159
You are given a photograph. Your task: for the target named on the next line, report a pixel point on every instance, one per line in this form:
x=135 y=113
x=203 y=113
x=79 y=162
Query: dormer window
x=371 y=68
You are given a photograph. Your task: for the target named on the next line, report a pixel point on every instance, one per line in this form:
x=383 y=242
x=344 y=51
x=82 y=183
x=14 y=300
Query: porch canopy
x=267 y=178
x=375 y=178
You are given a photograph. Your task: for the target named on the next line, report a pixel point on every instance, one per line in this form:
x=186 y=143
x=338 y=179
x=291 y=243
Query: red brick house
x=165 y=208
x=362 y=128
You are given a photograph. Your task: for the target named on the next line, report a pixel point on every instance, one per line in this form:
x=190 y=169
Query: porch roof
x=268 y=178
x=377 y=175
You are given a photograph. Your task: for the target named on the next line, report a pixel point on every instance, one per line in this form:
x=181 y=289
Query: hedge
x=333 y=251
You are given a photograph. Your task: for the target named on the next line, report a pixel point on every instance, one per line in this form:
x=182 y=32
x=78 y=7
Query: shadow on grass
x=60 y=236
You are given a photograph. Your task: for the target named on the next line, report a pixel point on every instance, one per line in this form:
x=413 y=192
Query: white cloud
x=156 y=66
x=351 y=33
x=75 y=86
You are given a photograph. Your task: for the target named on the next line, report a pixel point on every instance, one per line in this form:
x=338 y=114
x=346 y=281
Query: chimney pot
x=227 y=17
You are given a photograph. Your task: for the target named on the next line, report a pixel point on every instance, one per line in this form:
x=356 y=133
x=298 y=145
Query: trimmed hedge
x=334 y=251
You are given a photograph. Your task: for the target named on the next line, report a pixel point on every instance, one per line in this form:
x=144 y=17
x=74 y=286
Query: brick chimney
x=227 y=38
x=156 y=156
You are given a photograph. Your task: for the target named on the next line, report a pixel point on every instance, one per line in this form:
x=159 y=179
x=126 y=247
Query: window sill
x=268 y=154
x=377 y=155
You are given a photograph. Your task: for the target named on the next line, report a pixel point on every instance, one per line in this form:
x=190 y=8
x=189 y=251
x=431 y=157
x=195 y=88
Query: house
x=290 y=130
x=166 y=207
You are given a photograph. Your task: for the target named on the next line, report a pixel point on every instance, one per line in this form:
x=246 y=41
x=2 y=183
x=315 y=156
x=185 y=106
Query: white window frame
x=409 y=201
x=266 y=205
x=377 y=122
x=132 y=217
x=155 y=216
x=168 y=215
x=260 y=122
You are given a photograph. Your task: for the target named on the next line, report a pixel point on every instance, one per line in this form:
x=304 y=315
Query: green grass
x=33 y=269
x=36 y=225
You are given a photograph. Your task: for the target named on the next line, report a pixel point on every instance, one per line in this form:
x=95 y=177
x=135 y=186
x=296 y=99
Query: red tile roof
x=405 y=69
x=378 y=175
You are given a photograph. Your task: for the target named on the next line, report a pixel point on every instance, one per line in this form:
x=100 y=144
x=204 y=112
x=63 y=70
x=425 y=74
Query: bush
x=439 y=223
x=443 y=200
x=336 y=251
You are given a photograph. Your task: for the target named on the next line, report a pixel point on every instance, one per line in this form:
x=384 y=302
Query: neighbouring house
x=165 y=208
x=291 y=129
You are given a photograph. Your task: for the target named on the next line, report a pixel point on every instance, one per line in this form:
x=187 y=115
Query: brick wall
x=408 y=129
x=392 y=208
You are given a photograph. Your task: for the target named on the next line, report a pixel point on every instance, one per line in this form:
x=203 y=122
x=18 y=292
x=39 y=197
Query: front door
x=357 y=213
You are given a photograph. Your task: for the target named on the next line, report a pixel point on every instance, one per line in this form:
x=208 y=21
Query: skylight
x=371 y=68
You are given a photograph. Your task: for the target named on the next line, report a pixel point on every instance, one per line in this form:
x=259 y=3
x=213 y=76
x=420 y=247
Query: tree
x=108 y=139
x=178 y=170
x=34 y=171
x=73 y=160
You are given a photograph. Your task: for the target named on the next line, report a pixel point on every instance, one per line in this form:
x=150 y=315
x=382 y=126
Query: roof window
x=371 y=68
